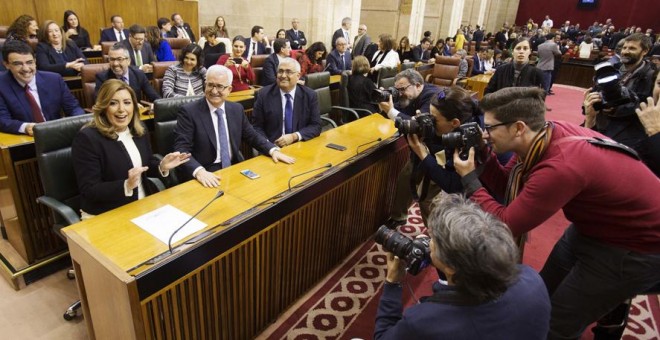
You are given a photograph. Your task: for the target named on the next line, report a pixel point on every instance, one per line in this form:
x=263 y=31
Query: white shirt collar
x=213 y=108
x=292 y=93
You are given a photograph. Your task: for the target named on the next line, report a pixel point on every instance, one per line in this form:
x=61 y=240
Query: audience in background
x=187 y=77
x=141 y=54
x=57 y=54
x=75 y=32
x=165 y=27
x=281 y=50
x=296 y=36
x=159 y=45
x=440 y=49
x=213 y=47
x=221 y=25
x=585 y=48
x=240 y=67
x=181 y=29
x=339 y=59
x=116 y=32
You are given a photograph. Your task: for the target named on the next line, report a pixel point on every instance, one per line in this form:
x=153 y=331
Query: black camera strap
x=604 y=143
x=452 y=297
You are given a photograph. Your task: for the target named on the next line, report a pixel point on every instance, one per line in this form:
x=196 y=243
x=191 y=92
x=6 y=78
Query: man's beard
x=629 y=60
x=403 y=102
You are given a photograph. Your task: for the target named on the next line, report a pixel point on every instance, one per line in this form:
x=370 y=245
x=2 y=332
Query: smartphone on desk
x=335 y=146
x=249 y=174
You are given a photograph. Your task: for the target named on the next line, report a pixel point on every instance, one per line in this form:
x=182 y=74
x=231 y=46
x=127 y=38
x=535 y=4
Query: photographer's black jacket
x=421 y=103
x=625 y=127
x=503 y=77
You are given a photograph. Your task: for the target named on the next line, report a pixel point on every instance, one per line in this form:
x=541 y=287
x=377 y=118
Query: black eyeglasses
x=490 y=127
x=402 y=89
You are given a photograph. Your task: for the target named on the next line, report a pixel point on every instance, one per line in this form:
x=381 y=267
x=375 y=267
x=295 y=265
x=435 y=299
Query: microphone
x=329 y=165
x=169 y=241
x=357 y=150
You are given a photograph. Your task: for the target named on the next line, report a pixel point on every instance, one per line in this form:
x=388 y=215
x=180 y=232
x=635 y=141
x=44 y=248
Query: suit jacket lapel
x=297 y=107
x=44 y=92
x=235 y=132
x=207 y=122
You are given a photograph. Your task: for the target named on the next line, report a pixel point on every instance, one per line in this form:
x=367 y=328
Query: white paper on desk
x=162 y=222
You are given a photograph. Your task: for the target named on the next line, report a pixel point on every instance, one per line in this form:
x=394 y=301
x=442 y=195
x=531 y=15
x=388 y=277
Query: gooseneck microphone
x=169 y=241
x=327 y=166
x=357 y=150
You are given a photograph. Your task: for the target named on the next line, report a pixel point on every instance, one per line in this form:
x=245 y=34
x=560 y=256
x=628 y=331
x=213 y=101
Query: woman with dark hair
x=112 y=156
x=162 y=49
x=386 y=56
x=56 y=54
x=23 y=28
x=312 y=60
x=239 y=66
x=281 y=34
x=440 y=49
x=186 y=78
x=221 y=26
x=165 y=27
x=213 y=47
x=75 y=32
x=359 y=86
x=405 y=51
x=518 y=73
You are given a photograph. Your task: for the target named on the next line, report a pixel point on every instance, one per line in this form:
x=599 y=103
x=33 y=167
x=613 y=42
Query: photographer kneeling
x=487 y=295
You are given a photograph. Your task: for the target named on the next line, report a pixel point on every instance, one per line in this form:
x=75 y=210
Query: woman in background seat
x=75 y=32
x=187 y=77
x=57 y=54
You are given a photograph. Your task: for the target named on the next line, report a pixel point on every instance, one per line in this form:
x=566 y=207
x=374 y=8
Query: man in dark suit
x=254 y=44
x=28 y=96
x=141 y=54
x=116 y=32
x=343 y=32
x=478 y=64
x=339 y=59
x=282 y=50
x=296 y=36
x=211 y=130
x=286 y=112
x=421 y=52
x=362 y=40
x=120 y=68
x=478 y=37
x=181 y=29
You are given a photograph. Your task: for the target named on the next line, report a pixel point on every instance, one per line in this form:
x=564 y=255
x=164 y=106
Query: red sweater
x=608 y=195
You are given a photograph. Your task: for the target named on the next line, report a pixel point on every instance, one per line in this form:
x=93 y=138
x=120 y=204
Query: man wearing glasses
x=141 y=54
x=285 y=112
x=120 y=68
x=611 y=250
x=414 y=96
x=28 y=96
x=211 y=129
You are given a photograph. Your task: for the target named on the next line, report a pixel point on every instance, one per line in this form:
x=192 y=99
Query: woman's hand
x=245 y=64
x=417 y=146
x=649 y=115
x=135 y=177
x=172 y=160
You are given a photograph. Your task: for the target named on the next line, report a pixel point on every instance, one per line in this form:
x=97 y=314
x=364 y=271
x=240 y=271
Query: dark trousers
x=586 y=279
x=403 y=196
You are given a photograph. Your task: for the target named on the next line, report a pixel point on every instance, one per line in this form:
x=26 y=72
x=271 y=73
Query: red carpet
x=343 y=305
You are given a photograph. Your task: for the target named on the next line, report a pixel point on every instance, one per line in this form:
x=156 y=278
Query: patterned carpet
x=343 y=305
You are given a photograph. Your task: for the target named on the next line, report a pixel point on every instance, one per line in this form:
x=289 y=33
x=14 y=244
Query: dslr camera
x=422 y=125
x=466 y=136
x=414 y=252
x=607 y=83
x=379 y=96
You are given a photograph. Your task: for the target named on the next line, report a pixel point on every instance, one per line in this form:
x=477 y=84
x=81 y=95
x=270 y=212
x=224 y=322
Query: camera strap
x=452 y=297
x=604 y=143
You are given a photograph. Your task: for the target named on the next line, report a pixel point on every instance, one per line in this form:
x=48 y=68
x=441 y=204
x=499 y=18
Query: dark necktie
x=254 y=48
x=125 y=79
x=121 y=36
x=37 y=116
x=225 y=158
x=343 y=62
x=288 y=114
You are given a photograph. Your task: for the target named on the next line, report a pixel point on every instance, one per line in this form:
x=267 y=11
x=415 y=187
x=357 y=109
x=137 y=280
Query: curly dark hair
x=19 y=28
x=315 y=47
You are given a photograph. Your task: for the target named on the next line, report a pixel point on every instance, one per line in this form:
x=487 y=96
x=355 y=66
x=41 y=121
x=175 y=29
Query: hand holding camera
x=416 y=253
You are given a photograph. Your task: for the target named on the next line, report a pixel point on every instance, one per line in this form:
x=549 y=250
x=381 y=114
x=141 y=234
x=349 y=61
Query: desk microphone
x=357 y=150
x=169 y=241
x=327 y=166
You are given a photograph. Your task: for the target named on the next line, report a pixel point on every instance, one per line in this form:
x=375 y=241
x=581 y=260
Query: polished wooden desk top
x=335 y=79
x=8 y=140
x=483 y=78
x=124 y=245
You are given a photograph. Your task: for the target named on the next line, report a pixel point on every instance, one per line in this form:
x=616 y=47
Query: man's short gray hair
x=118 y=47
x=345 y=21
x=289 y=60
x=220 y=70
x=413 y=76
x=478 y=246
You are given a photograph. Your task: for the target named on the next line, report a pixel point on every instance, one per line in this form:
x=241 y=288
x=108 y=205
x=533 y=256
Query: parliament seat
x=386 y=73
x=105 y=48
x=257 y=62
x=159 y=73
x=320 y=83
x=88 y=79
x=343 y=94
x=445 y=71
x=318 y=80
x=177 y=44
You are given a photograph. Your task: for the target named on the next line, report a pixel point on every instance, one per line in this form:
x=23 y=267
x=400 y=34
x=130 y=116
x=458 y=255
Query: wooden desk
x=265 y=246
x=577 y=72
x=478 y=84
x=26 y=224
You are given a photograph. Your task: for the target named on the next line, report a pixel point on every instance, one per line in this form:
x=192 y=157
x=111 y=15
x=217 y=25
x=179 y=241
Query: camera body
x=416 y=253
x=467 y=135
x=422 y=125
x=607 y=83
x=379 y=96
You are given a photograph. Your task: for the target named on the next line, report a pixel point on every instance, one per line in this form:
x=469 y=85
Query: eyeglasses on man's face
x=488 y=127
x=286 y=72
x=218 y=87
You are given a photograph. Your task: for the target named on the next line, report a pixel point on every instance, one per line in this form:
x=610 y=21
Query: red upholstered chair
x=257 y=63
x=88 y=79
x=159 y=72
x=177 y=45
x=444 y=72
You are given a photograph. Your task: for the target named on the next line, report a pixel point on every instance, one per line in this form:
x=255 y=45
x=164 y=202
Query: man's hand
x=135 y=176
x=590 y=98
x=287 y=139
x=464 y=167
x=207 y=179
x=396 y=270
x=147 y=68
x=173 y=159
x=386 y=106
x=280 y=157
x=29 y=129
x=649 y=115
x=417 y=146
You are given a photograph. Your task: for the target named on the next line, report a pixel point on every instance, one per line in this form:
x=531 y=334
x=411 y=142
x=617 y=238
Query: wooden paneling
x=10 y=10
x=86 y=11
x=143 y=14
